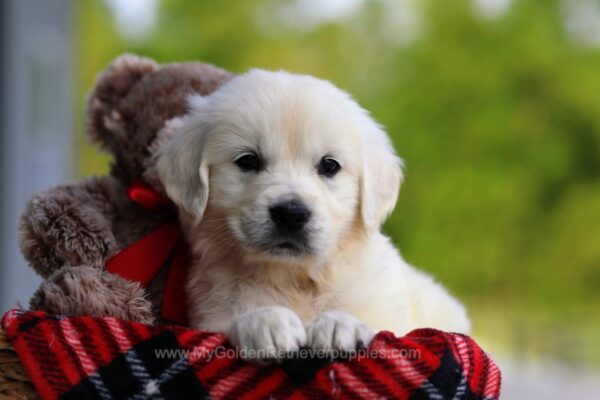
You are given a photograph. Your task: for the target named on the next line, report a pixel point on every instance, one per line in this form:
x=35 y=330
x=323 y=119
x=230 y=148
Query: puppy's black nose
x=290 y=216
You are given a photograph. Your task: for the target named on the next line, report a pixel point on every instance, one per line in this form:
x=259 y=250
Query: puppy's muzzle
x=290 y=216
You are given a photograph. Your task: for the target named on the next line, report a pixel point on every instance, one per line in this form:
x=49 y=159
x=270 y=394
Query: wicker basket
x=14 y=381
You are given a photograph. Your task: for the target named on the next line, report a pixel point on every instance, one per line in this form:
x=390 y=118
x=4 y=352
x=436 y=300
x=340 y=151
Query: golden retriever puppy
x=283 y=182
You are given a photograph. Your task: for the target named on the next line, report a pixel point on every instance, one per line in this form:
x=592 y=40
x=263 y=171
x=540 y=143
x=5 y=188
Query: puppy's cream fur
x=350 y=273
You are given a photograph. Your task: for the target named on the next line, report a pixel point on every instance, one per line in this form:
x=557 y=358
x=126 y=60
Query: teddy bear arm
x=68 y=225
x=84 y=290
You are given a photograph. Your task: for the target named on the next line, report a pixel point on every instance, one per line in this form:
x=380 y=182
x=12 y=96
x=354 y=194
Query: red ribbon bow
x=142 y=260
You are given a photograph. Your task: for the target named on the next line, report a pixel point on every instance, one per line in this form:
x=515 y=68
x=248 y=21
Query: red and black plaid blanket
x=107 y=358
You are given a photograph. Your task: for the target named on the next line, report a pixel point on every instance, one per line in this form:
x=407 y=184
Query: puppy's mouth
x=288 y=248
x=274 y=243
x=285 y=247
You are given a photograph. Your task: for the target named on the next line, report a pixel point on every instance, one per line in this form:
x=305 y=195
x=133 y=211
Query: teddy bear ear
x=103 y=120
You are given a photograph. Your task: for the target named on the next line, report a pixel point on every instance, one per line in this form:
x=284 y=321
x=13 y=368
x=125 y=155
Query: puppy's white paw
x=338 y=331
x=267 y=334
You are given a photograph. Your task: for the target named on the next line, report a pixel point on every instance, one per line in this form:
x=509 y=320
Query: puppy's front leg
x=338 y=331
x=267 y=334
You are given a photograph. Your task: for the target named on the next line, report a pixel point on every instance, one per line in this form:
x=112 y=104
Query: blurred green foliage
x=498 y=122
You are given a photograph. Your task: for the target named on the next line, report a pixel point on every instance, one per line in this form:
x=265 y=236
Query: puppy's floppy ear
x=181 y=165
x=381 y=175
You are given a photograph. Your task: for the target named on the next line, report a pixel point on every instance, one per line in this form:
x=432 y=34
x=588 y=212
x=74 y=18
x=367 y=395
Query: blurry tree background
x=493 y=104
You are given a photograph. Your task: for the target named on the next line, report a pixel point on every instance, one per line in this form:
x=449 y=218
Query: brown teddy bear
x=70 y=234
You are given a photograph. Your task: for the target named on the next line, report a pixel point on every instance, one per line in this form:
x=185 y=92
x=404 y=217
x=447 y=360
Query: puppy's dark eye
x=248 y=162
x=328 y=167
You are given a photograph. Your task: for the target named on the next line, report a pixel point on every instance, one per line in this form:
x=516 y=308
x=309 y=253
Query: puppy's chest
x=307 y=302
x=304 y=298
x=222 y=289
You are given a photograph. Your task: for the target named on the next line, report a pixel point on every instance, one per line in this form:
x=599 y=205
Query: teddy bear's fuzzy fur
x=67 y=233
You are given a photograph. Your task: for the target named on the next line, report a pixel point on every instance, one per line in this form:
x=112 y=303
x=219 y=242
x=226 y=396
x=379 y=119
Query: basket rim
x=14 y=379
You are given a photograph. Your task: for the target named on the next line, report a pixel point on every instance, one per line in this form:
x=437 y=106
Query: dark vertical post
x=35 y=122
